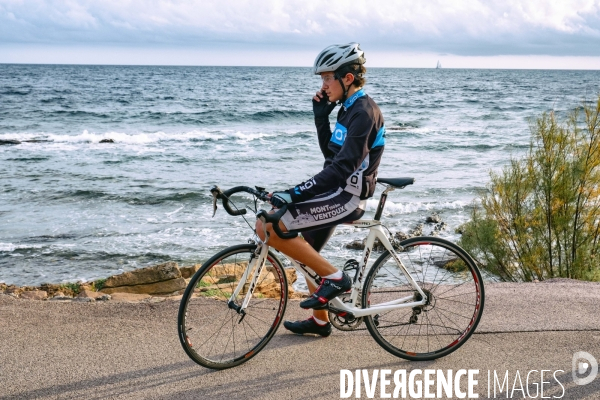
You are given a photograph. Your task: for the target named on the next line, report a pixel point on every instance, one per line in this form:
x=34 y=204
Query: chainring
x=345 y=323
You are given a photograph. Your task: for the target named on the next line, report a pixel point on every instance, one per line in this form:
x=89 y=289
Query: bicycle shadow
x=268 y=386
x=117 y=384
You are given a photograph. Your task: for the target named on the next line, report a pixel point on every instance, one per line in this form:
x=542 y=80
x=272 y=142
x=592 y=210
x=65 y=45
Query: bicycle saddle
x=397 y=182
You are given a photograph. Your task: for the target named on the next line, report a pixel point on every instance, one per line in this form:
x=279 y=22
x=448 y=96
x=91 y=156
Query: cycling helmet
x=340 y=59
x=338 y=55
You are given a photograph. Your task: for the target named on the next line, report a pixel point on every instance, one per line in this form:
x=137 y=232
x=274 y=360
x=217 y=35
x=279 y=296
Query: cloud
x=461 y=27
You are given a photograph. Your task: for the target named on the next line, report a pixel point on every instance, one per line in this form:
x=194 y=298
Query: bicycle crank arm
x=341 y=313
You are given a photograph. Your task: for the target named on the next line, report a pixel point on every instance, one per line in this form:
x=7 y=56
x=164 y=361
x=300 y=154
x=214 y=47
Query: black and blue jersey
x=352 y=151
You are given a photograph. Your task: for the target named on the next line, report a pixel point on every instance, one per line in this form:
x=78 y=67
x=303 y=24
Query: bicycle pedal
x=350 y=265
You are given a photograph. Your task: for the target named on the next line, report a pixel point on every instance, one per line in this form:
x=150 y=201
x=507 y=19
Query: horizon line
x=288 y=66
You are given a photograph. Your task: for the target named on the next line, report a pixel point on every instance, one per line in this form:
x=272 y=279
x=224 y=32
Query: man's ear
x=348 y=79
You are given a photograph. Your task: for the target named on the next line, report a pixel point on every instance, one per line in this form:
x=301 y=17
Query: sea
x=75 y=209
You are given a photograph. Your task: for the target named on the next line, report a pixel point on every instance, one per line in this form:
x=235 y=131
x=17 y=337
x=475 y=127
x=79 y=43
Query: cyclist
x=338 y=193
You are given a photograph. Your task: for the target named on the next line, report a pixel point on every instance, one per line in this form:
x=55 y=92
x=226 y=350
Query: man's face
x=332 y=87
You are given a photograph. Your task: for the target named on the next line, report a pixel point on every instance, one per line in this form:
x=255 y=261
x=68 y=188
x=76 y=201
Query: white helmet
x=338 y=55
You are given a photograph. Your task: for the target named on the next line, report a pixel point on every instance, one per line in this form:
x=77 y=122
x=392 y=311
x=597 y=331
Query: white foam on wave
x=10 y=247
x=7 y=247
x=141 y=138
x=250 y=136
x=413 y=207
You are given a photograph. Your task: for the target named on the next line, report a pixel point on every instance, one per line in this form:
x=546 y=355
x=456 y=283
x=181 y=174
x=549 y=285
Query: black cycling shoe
x=329 y=289
x=309 y=326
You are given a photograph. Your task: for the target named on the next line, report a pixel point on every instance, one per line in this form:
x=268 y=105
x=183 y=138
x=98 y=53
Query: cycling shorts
x=328 y=209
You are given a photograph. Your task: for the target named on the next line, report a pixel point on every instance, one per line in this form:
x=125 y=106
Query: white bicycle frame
x=256 y=265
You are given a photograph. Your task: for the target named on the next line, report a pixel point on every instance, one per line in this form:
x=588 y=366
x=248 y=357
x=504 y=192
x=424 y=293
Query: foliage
x=540 y=217
x=74 y=287
x=98 y=285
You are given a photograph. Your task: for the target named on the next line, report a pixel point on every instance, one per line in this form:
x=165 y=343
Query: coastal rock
x=12 y=289
x=164 y=287
x=129 y=297
x=400 y=236
x=360 y=245
x=54 y=290
x=416 y=231
x=34 y=295
x=233 y=269
x=356 y=245
x=60 y=297
x=188 y=272
x=84 y=300
x=291 y=275
x=438 y=228
x=158 y=273
x=433 y=219
x=88 y=294
x=104 y=297
x=107 y=141
x=271 y=290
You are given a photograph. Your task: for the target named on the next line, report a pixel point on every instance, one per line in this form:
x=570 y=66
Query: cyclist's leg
x=323 y=211
x=317 y=238
x=296 y=248
x=329 y=209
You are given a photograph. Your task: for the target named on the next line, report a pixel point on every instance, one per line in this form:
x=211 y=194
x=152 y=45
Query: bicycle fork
x=259 y=257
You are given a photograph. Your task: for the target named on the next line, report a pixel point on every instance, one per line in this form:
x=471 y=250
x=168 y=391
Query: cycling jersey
x=352 y=151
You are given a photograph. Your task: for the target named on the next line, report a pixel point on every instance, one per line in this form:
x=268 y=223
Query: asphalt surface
x=63 y=350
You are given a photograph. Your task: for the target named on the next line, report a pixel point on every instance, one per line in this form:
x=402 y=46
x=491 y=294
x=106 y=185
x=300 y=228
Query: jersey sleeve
x=324 y=136
x=354 y=150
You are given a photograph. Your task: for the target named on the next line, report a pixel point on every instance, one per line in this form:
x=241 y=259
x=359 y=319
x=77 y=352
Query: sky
x=553 y=34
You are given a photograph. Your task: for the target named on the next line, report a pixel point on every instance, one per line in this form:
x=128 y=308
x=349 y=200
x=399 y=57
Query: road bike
x=421 y=299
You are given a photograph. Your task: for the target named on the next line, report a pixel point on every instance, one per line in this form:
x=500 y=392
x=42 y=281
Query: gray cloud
x=462 y=27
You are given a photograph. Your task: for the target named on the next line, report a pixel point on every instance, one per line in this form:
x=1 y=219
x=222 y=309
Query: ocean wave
x=133 y=199
x=413 y=207
x=279 y=114
x=137 y=138
x=10 y=247
x=15 y=92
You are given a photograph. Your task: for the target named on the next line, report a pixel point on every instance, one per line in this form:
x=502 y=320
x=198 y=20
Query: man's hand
x=322 y=107
x=279 y=199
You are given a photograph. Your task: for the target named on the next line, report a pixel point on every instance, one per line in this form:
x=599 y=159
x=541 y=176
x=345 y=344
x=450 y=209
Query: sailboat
x=439 y=65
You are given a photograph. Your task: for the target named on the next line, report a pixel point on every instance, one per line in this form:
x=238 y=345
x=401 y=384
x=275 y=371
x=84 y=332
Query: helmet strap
x=345 y=96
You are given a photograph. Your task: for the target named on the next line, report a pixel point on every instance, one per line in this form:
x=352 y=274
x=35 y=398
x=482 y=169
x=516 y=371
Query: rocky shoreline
x=160 y=282
x=168 y=280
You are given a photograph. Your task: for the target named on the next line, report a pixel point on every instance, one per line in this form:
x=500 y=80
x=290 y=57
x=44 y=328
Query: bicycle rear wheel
x=453 y=285
x=214 y=334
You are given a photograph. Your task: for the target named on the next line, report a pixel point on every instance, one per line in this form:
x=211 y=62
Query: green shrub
x=98 y=285
x=74 y=287
x=540 y=217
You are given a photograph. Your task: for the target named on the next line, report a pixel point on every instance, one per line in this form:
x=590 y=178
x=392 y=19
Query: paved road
x=51 y=350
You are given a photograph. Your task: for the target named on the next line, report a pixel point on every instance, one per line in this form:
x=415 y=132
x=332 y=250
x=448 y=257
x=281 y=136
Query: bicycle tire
x=451 y=280
x=217 y=336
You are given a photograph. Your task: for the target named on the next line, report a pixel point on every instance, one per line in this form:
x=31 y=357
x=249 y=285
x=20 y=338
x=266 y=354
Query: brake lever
x=215 y=194
x=264 y=226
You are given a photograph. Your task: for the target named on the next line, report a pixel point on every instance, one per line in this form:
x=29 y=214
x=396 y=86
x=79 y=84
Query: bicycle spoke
x=450 y=311
x=223 y=337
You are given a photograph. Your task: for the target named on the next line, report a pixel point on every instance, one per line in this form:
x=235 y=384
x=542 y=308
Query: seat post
x=381 y=204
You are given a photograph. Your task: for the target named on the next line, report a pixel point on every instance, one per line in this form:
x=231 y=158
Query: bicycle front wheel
x=452 y=283
x=211 y=330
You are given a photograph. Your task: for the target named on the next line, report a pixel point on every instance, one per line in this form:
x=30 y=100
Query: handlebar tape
x=269 y=218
